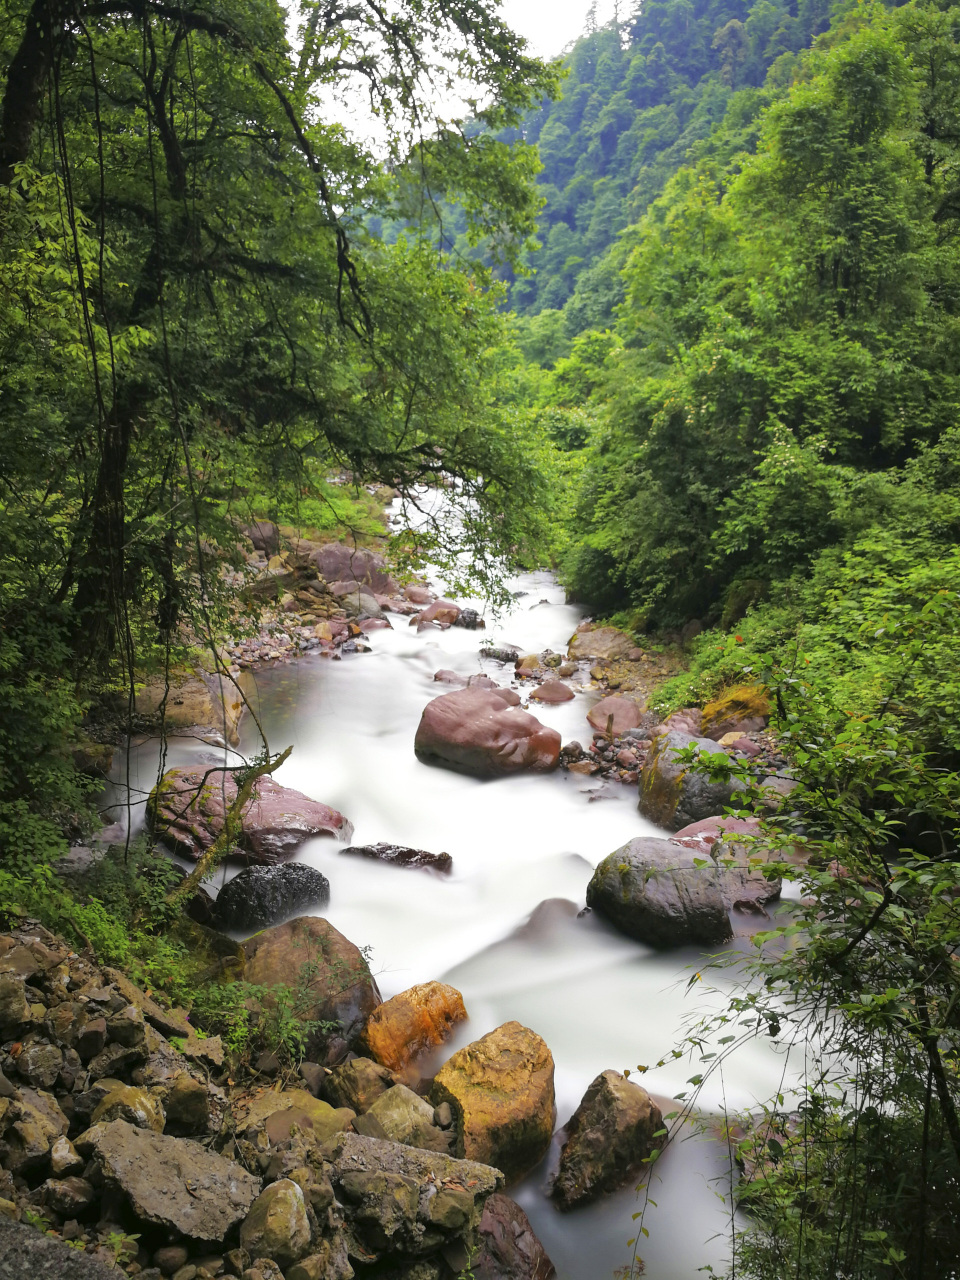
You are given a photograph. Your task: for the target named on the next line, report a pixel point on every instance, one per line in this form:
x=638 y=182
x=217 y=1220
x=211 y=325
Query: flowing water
x=505 y=927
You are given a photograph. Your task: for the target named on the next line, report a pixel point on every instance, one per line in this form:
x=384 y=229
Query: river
x=505 y=927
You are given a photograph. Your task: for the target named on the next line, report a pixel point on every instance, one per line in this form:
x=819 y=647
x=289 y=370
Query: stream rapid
x=505 y=927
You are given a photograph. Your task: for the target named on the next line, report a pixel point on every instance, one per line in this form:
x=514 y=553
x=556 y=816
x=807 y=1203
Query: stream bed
x=504 y=927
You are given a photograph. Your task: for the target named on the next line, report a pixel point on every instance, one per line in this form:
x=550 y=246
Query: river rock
x=341 y=989
x=29 y=1126
x=127 y=1102
x=672 y=794
x=277 y=1225
x=401 y=1202
x=399 y=855
x=358 y=1084
x=443 y=611
x=25 y=1251
x=508 y=1248
x=187 y=811
x=599 y=642
x=336 y=562
x=277 y=1113
x=615 y=1128
x=264 y=535
x=419 y=595
x=415 y=1020
x=260 y=896
x=652 y=890
x=744 y=883
x=196 y=701
x=477 y=732
x=450 y=677
x=171 y=1182
x=552 y=691
x=500 y=1089
x=614 y=716
x=500 y=653
x=406 y=1117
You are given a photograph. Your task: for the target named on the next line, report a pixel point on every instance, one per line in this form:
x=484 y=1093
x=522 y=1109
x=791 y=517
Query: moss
x=740 y=702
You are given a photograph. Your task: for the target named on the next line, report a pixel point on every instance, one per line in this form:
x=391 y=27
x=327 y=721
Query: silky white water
x=504 y=927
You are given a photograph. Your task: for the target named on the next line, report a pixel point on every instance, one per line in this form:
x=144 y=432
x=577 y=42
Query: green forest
x=676 y=316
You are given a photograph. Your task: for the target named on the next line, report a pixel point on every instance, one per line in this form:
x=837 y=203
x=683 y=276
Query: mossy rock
x=740 y=702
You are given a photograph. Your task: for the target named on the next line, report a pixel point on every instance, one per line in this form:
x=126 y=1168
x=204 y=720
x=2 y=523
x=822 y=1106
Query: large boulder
x=672 y=793
x=195 y=701
x=337 y=562
x=442 y=611
x=261 y=896
x=188 y=809
x=264 y=535
x=311 y=950
x=661 y=893
x=477 y=732
x=277 y=1113
x=277 y=1225
x=171 y=1182
x=509 y=1249
x=412 y=1022
x=599 y=642
x=614 y=716
x=613 y=1131
x=500 y=1089
x=401 y=1203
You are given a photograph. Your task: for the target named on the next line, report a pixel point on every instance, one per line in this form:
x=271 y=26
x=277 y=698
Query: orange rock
x=415 y=1020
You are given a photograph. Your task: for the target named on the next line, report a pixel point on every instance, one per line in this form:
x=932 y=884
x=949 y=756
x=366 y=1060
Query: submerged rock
x=653 y=890
x=500 y=1089
x=613 y=1131
x=477 y=732
x=188 y=810
x=411 y=1022
x=260 y=896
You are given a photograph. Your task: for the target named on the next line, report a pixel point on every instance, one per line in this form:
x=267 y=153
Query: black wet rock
x=262 y=896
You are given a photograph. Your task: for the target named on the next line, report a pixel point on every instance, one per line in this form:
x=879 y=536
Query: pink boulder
x=552 y=691
x=375 y=624
x=419 y=595
x=704 y=834
x=448 y=677
x=187 y=811
x=625 y=713
x=441 y=611
x=336 y=562
x=478 y=731
x=482 y=682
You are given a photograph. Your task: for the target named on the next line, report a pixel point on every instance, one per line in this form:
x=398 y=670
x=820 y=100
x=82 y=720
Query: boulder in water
x=615 y=1128
x=412 y=1022
x=443 y=611
x=260 y=896
x=399 y=855
x=508 y=1249
x=500 y=1089
x=477 y=732
x=188 y=808
x=655 y=891
x=552 y=691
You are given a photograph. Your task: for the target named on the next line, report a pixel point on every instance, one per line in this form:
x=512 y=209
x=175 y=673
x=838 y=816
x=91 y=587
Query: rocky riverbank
x=131 y=1144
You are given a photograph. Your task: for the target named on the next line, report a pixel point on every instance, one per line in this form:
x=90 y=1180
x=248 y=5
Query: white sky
x=550 y=25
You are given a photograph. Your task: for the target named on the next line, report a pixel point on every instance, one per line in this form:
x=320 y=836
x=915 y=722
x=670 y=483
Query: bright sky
x=550 y=25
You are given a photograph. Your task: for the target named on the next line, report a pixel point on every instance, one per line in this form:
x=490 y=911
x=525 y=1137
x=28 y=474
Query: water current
x=505 y=927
